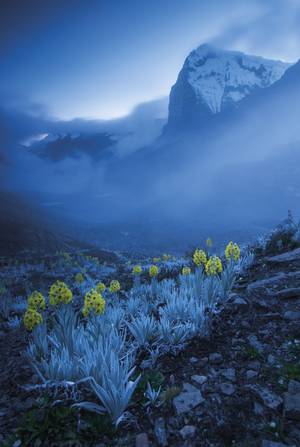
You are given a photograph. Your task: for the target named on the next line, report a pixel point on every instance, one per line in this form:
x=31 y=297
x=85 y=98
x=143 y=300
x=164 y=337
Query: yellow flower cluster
x=100 y=287
x=232 y=251
x=199 y=257
x=32 y=318
x=153 y=271
x=60 y=293
x=114 y=286
x=36 y=301
x=93 y=301
x=186 y=271
x=79 y=277
x=156 y=260
x=213 y=266
x=137 y=270
x=166 y=257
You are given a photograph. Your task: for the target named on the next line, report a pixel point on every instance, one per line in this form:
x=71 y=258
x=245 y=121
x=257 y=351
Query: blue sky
x=99 y=58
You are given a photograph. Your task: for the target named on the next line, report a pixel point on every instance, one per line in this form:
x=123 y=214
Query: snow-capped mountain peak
x=213 y=79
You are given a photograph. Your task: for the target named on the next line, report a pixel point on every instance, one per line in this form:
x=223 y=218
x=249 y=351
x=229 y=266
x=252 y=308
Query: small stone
x=287 y=294
x=240 y=302
x=227 y=388
x=229 y=374
x=142 y=440
x=291 y=315
x=160 y=432
x=188 y=432
x=250 y=374
x=267 y=443
x=215 y=358
x=292 y=406
x=258 y=409
x=194 y=360
x=188 y=399
x=203 y=362
x=199 y=379
x=270 y=399
x=245 y=324
x=253 y=341
x=294 y=387
x=255 y=365
x=271 y=359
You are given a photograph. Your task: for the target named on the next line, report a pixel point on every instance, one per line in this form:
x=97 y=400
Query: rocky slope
x=239 y=387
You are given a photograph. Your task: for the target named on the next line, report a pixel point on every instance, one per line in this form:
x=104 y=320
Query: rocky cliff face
x=212 y=80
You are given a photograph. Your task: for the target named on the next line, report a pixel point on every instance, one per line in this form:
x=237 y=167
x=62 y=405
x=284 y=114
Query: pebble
x=188 y=432
x=291 y=315
x=250 y=374
x=229 y=374
x=227 y=388
x=215 y=358
x=199 y=379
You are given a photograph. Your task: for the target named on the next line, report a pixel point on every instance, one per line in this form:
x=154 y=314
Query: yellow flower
x=153 y=271
x=209 y=242
x=137 y=270
x=156 y=260
x=166 y=257
x=60 y=293
x=213 y=266
x=79 y=278
x=232 y=251
x=114 y=286
x=100 y=287
x=199 y=257
x=186 y=271
x=32 y=318
x=93 y=301
x=36 y=301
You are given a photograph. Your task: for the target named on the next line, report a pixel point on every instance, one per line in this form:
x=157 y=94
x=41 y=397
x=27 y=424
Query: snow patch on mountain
x=220 y=77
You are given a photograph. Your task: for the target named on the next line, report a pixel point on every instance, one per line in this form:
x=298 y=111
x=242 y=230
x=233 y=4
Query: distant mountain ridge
x=213 y=80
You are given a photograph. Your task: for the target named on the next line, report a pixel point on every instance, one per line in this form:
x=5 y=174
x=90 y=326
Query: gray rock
x=289 y=256
x=188 y=432
x=142 y=440
x=160 y=432
x=194 y=360
x=270 y=399
x=294 y=387
x=240 y=302
x=215 y=358
x=253 y=341
x=255 y=365
x=292 y=315
x=291 y=405
x=188 y=399
x=266 y=443
x=227 y=388
x=262 y=283
x=258 y=409
x=199 y=379
x=203 y=362
x=271 y=359
x=250 y=374
x=287 y=294
x=229 y=374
